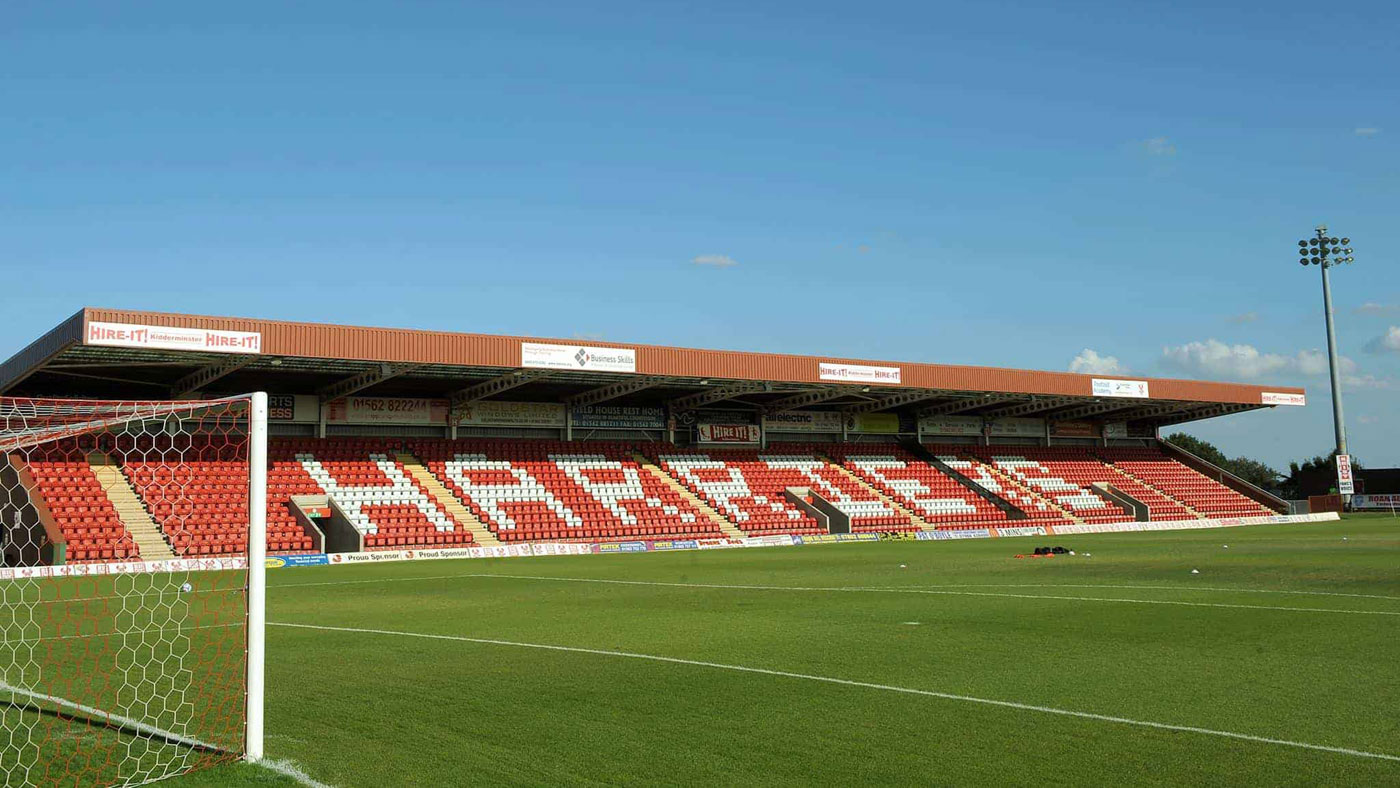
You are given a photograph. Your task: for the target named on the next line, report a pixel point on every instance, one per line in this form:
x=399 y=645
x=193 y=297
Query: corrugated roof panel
x=323 y=341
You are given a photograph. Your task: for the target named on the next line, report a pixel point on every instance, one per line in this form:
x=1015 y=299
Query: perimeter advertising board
x=878 y=423
x=857 y=373
x=387 y=410
x=1074 y=429
x=203 y=340
x=493 y=413
x=1021 y=428
x=951 y=425
x=1107 y=387
x=540 y=355
x=727 y=433
x=619 y=417
x=1345 y=483
x=803 y=421
x=1385 y=501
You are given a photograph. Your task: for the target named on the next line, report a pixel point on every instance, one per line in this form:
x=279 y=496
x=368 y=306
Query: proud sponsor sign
x=1109 y=387
x=857 y=373
x=1278 y=398
x=203 y=340
x=539 y=355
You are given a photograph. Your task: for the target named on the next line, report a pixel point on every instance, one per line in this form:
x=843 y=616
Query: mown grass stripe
x=861 y=684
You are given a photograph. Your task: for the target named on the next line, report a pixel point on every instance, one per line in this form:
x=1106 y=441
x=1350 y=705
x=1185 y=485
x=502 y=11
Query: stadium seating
x=556 y=491
x=747 y=486
x=1084 y=467
x=199 y=499
x=1207 y=496
x=379 y=497
x=81 y=509
x=1037 y=508
x=1066 y=484
x=939 y=499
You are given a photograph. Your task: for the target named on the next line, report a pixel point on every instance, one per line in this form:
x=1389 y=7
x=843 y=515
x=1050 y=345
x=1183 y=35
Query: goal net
x=133 y=540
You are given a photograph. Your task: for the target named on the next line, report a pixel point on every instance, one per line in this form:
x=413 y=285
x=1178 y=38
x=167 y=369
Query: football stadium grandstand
x=397 y=439
x=134 y=612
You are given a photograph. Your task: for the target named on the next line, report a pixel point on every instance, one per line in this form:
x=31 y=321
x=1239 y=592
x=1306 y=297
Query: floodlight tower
x=1327 y=251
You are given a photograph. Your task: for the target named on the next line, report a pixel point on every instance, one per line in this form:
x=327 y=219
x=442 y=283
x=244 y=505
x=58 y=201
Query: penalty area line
x=1006 y=704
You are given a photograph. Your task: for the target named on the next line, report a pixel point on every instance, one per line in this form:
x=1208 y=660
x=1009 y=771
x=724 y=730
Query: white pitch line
x=862 y=684
x=1215 y=589
x=285 y=768
x=149 y=730
x=1156 y=588
x=292 y=770
x=898 y=590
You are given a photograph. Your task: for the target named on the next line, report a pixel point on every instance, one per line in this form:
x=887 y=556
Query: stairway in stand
x=868 y=487
x=1016 y=484
x=481 y=535
x=138 y=522
x=1166 y=494
x=724 y=525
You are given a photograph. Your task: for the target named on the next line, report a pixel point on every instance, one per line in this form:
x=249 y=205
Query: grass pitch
x=1288 y=635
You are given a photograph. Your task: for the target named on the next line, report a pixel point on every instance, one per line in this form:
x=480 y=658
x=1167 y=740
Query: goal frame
x=255 y=407
x=257 y=575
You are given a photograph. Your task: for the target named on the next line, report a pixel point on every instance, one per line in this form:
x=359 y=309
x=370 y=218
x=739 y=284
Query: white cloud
x=1090 y=362
x=1368 y=419
x=1215 y=359
x=1389 y=342
x=1367 y=131
x=1373 y=308
x=1247 y=317
x=716 y=260
x=1158 y=146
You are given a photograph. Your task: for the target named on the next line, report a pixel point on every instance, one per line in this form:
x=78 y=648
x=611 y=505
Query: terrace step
x=888 y=501
x=1165 y=493
x=481 y=535
x=727 y=527
x=919 y=450
x=144 y=530
x=1016 y=484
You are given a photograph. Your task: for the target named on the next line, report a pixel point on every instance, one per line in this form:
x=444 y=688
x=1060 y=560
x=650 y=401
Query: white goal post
x=133 y=541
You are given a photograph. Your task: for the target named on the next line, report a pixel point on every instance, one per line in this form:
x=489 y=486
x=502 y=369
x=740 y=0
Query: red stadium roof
x=128 y=354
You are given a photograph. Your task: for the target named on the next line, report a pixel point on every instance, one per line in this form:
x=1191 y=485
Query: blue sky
x=999 y=183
